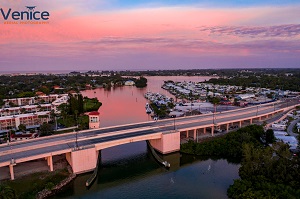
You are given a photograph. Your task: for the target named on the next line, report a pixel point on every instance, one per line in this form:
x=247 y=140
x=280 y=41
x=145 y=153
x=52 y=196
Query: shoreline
x=46 y=193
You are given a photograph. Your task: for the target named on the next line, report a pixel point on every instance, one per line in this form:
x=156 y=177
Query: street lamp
x=174 y=121
x=76 y=143
x=191 y=106
x=214 y=114
x=199 y=109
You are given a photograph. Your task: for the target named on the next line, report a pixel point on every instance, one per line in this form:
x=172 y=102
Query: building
x=30 y=120
x=278 y=127
x=94 y=120
x=32 y=100
x=16 y=137
x=129 y=83
x=24 y=109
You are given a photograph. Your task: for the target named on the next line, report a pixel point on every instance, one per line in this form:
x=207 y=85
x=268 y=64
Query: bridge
x=81 y=148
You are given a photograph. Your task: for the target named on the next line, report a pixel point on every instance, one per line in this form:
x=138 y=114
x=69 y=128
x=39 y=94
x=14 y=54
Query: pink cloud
x=76 y=34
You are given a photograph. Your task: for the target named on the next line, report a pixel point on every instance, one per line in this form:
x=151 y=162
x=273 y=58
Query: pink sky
x=153 y=38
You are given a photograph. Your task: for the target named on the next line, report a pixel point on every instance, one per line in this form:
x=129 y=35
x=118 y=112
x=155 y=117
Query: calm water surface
x=123 y=105
x=130 y=171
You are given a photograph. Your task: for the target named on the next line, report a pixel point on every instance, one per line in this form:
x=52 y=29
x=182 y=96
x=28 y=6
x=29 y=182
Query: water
x=130 y=171
x=123 y=105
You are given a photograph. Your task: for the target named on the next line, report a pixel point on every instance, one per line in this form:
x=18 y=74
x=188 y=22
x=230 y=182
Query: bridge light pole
x=199 y=109
x=191 y=107
x=214 y=114
x=76 y=138
x=174 y=121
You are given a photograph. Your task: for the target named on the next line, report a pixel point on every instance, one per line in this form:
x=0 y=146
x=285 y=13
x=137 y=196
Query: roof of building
x=94 y=113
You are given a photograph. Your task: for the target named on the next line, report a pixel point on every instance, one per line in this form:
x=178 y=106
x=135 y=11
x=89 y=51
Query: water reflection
x=135 y=174
x=123 y=105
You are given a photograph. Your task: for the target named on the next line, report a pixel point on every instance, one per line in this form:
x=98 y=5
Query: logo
x=28 y=15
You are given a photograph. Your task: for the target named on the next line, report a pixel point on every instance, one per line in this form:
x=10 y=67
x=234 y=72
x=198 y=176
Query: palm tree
x=6 y=192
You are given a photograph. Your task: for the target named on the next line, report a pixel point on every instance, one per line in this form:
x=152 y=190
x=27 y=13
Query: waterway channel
x=130 y=171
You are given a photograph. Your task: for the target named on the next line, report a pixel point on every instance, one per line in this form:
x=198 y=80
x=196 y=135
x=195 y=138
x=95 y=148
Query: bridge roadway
x=63 y=143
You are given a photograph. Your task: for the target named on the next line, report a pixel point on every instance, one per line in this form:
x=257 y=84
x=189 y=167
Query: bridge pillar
x=50 y=162
x=195 y=134
x=204 y=130
x=83 y=160
x=11 y=170
x=187 y=134
x=240 y=124
x=227 y=127
x=212 y=130
x=168 y=143
x=251 y=121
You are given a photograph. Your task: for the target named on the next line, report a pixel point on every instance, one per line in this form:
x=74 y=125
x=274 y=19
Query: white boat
x=148 y=109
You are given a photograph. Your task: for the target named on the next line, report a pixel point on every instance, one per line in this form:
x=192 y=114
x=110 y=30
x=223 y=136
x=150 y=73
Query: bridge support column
x=83 y=160
x=251 y=121
x=240 y=124
x=50 y=162
x=168 y=143
x=195 y=134
x=187 y=133
x=227 y=127
x=212 y=130
x=204 y=130
x=11 y=170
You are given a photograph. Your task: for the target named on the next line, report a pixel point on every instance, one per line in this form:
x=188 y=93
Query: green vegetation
x=22 y=127
x=46 y=129
x=269 y=136
x=162 y=110
x=228 y=146
x=6 y=192
x=28 y=186
x=267 y=173
x=72 y=114
x=91 y=104
x=273 y=80
x=141 y=82
x=28 y=85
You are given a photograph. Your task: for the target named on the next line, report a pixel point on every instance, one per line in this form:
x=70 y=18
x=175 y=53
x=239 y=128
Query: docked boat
x=148 y=109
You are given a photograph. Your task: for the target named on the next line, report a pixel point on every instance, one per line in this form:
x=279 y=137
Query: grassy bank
x=28 y=186
x=91 y=104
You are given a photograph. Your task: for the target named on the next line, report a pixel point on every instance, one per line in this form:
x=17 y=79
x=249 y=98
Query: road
x=291 y=126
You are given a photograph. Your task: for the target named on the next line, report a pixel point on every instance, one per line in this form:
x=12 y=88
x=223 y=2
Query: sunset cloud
x=286 y=30
x=97 y=33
